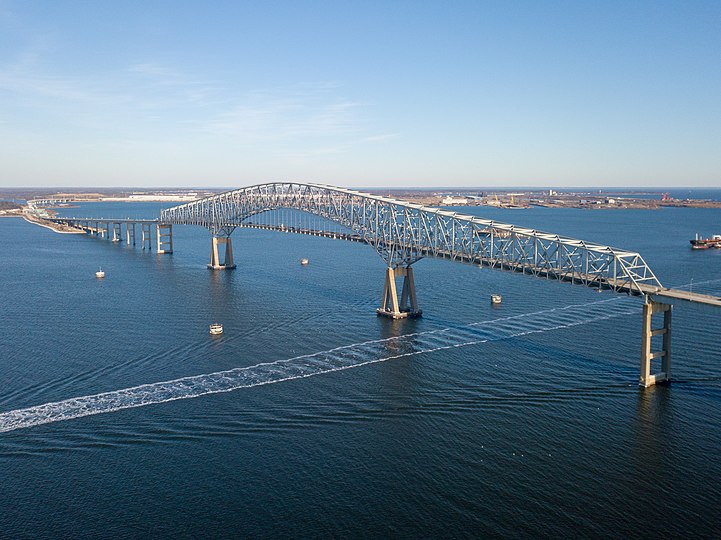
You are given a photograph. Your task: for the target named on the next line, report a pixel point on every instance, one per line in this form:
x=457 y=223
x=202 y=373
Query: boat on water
x=216 y=329
x=100 y=273
x=304 y=262
x=706 y=243
x=496 y=299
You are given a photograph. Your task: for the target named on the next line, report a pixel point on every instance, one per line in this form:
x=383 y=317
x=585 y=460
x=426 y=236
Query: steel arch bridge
x=402 y=233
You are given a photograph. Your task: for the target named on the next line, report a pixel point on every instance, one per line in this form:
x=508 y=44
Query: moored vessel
x=100 y=273
x=706 y=243
x=304 y=262
x=496 y=299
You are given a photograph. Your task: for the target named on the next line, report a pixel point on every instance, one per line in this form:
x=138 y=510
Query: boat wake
x=340 y=358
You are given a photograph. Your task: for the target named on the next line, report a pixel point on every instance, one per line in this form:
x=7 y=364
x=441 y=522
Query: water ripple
x=340 y=358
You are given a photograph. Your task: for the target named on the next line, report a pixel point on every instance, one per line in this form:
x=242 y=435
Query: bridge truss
x=402 y=233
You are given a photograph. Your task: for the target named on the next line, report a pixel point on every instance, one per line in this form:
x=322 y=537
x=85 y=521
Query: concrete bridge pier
x=228 y=263
x=164 y=238
x=145 y=238
x=651 y=308
x=117 y=232
x=408 y=306
x=130 y=233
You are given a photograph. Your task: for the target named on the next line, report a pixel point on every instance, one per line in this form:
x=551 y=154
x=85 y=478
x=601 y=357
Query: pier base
x=164 y=238
x=408 y=306
x=227 y=263
x=647 y=378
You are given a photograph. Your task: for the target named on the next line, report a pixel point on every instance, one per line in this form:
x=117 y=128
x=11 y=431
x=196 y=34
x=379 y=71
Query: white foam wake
x=346 y=357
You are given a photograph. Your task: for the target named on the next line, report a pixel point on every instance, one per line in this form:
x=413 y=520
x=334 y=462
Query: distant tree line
x=7 y=205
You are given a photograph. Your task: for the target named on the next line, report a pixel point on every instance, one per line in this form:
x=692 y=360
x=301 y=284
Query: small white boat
x=496 y=299
x=304 y=262
x=216 y=329
x=100 y=274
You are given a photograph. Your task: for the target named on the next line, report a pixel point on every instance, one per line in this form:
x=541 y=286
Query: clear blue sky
x=387 y=93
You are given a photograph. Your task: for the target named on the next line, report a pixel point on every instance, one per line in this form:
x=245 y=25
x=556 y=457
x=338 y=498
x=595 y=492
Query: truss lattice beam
x=402 y=233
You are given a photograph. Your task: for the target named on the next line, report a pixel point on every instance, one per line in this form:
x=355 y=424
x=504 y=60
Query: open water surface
x=311 y=417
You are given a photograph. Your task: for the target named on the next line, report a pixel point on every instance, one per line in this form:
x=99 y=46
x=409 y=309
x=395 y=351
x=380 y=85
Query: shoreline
x=60 y=229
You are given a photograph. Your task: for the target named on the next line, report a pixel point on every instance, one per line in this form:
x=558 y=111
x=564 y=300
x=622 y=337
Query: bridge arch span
x=402 y=233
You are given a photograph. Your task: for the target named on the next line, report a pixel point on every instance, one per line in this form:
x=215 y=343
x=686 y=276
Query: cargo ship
x=706 y=243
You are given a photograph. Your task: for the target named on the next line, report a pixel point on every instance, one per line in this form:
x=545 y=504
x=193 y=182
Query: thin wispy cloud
x=287 y=114
x=29 y=87
x=146 y=101
x=26 y=81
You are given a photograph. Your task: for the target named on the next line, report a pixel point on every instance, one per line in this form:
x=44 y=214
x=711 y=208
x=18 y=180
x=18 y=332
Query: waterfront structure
x=403 y=233
x=450 y=201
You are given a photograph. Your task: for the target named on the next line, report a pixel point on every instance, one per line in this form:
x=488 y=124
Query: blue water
x=311 y=417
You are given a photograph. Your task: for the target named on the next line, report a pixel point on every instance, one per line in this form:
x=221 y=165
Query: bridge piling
x=228 y=263
x=117 y=232
x=408 y=306
x=650 y=308
x=130 y=234
x=164 y=238
x=145 y=238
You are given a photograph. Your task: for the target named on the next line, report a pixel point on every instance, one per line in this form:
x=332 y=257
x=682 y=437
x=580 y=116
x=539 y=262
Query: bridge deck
x=551 y=273
x=686 y=296
x=71 y=221
x=661 y=294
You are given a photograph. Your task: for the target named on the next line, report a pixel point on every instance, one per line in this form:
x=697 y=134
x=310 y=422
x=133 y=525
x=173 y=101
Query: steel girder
x=403 y=233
